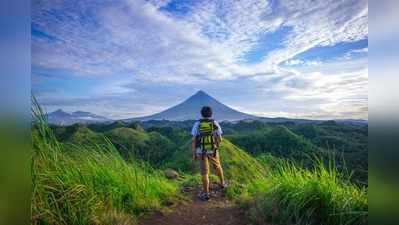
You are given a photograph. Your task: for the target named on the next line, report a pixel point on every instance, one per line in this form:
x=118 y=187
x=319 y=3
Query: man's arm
x=218 y=134
x=194 y=133
x=218 y=140
x=193 y=148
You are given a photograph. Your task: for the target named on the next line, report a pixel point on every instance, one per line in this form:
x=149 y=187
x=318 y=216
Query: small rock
x=171 y=174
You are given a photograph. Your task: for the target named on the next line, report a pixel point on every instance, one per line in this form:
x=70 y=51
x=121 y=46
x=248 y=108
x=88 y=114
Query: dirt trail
x=217 y=211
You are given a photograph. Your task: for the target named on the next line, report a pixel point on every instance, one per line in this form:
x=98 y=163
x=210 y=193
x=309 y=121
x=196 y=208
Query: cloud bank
x=290 y=58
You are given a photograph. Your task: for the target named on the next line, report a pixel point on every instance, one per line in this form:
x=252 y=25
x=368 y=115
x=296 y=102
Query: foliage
x=240 y=169
x=129 y=141
x=346 y=144
x=88 y=184
x=178 y=136
x=293 y=195
x=237 y=163
x=279 y=140
x=78 y=134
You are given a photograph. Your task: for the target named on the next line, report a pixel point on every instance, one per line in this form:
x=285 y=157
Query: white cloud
x=294 y=62
x=138 y=38
x=297 y=62
x=207 y=42
x=362 y=50
x=349 y=55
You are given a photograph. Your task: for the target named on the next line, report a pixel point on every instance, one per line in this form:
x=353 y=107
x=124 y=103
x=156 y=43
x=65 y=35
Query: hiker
x=207 y=136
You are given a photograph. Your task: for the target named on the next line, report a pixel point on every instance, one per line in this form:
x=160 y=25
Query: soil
x=216 y=211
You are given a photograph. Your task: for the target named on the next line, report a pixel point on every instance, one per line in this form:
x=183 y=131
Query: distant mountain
x=190 y=110
x=352 y=121
x=63 y=118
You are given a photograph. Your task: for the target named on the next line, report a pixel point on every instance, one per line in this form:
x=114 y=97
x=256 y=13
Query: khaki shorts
x=209 y=159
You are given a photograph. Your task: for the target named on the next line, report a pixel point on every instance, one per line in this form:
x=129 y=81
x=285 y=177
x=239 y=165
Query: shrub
x=294 y=195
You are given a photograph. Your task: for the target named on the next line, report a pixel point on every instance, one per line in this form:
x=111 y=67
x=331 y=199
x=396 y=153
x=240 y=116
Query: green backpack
x=205 y=139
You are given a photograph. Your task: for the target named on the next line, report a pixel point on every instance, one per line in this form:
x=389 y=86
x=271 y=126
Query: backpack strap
x=201 y=141
x=215 y=128
x=211 y=136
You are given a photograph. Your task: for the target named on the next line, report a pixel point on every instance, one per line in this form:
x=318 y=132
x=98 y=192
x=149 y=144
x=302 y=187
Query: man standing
x=207 y=136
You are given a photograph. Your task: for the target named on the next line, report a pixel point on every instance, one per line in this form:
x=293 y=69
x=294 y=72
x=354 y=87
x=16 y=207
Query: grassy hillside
x=346 y=144
x=276 y=190
x=152 y=147
x=279 y=140
x=294 y=195
x=78 y=134
x=239 y=167
x=83 y=185
x=130 y=140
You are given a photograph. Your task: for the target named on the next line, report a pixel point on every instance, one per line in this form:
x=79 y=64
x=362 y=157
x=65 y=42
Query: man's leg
x=205 y=183
x=204 y=166
x=215 y=161
x=219 y=173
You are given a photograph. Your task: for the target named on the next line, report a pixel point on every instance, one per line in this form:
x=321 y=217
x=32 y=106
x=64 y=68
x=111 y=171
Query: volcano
x=191 y=107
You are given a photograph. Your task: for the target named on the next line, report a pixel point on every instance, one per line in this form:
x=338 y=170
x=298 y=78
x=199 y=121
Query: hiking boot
x=203 y=196
x=223 y=186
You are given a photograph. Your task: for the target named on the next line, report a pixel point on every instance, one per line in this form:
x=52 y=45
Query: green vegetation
x=78 y=184
x=152 y=147
x=293 y=195
x=78 y=134
x=130 y=140
x=279 y=140
x=240 y=169
x=347 y=145
x=112 y=173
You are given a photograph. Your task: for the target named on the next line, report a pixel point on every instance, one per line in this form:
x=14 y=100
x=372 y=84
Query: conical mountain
x=190 y=110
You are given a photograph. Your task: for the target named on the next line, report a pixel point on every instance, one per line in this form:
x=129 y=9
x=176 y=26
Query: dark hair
x=206 y=112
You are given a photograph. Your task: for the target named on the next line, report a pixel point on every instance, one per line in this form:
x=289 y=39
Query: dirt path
x=217 y=211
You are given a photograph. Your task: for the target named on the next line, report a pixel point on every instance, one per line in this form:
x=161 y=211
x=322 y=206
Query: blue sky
x=127 y=58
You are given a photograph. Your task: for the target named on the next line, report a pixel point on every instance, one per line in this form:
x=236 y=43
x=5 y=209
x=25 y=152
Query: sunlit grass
x=79 y=185
x=294 y=195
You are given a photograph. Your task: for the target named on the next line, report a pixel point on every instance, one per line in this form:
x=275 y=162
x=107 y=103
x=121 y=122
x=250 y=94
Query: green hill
x=99 y=127
x=78 y=134
x=279 y=141
x=131 y=140
x=238 y=165
x=348 y=143
x=90 y=184
x=152 y=146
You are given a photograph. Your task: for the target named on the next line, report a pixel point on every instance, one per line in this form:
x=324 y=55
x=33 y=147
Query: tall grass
x=89 y=185
x=294 y=195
